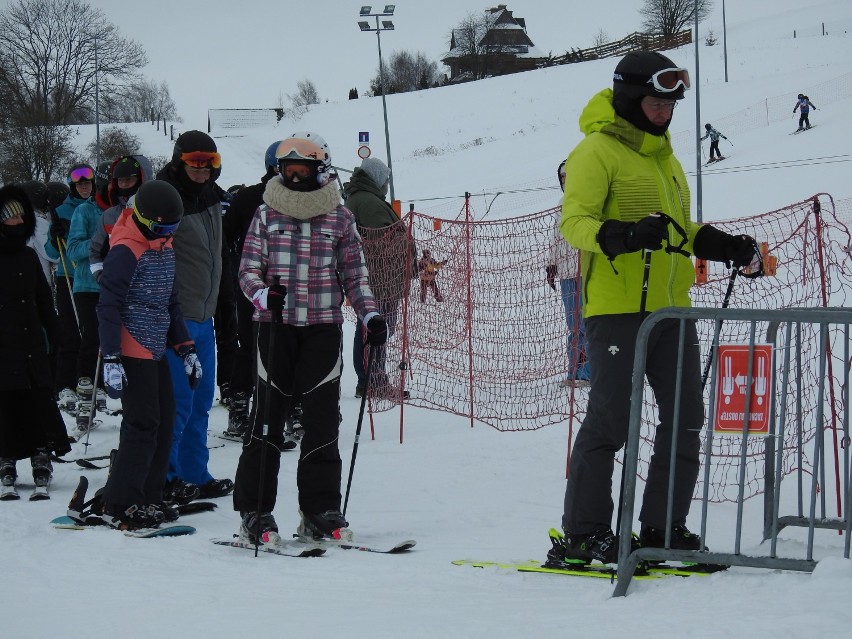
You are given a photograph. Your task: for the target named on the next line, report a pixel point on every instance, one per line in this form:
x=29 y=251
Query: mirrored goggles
x=202 y=159
x=304 y=171
x=298 y=148
x=155 y=227
x=81 y=174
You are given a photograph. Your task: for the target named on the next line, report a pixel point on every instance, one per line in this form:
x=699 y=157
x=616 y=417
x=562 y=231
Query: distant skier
x=714 y=136
x=804 y=105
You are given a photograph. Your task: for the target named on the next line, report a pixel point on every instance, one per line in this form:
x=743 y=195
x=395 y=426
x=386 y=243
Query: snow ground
x=461 y=492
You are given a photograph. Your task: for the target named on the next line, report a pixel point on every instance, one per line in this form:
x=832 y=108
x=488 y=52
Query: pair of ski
x=599 y=571
x=10 y=493
x=305 y=547
x=807 y=128
x=716 y=161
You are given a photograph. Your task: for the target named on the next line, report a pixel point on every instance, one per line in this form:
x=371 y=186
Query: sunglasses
x=664 y=81
x=155 y=227
x=202 y=159
x=81 y=174
x=302 y=170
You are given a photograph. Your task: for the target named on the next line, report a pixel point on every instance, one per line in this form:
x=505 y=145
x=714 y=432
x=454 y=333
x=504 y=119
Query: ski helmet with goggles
x=646 y=73
x=157 y=208
x=304 y=162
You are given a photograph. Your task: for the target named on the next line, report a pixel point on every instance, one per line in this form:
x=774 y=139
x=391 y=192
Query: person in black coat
x=30 y=423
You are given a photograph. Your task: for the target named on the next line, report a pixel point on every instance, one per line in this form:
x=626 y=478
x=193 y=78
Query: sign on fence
x=733 y=386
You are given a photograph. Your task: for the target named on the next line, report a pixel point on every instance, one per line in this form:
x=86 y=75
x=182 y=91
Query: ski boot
x=293 y=430
x=238 y=415
x=179 y=492
x=259 y=528
x=42 y=474
x=68 y=401
x=681 y=539
x=328 y=525
x=8 y=476
x=85 y=390
x=100 y=401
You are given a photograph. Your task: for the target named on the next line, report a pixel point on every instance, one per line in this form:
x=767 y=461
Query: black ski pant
x=804 y=121
x=714 y=148
x=69 y=335
x=612 y=344
x=307 y=362
x=87 y=355
x=139 y=471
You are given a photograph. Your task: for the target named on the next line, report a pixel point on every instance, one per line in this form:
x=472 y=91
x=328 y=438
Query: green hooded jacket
x=618 y=172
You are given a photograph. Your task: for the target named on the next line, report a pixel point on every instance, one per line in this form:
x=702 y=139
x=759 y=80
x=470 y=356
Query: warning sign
x=734 y=387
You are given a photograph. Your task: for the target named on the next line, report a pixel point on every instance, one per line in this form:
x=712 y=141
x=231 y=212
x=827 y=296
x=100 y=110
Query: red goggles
x=202 y=159
x=81 y=174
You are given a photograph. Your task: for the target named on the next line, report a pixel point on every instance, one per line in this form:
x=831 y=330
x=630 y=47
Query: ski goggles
x=291 y=169
x=299 y=149
x=155 y=227
x=202 y=159
x=81 y=174
x=10 y=210
x=664 y=81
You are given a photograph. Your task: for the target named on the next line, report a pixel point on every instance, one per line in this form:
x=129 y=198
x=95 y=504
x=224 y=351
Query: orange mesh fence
x=482 y=335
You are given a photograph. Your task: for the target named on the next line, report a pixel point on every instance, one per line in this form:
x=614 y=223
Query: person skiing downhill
x=714 y=136
x=617 y=211
x=804 y=105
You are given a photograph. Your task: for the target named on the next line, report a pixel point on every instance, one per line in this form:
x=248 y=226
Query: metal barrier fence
x=788 y=333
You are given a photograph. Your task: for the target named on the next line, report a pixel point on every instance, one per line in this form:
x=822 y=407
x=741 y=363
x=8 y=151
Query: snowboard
x=283 y=547
x=167 y=530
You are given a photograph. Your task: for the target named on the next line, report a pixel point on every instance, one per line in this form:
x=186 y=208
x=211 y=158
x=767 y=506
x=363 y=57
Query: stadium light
x=387 y=25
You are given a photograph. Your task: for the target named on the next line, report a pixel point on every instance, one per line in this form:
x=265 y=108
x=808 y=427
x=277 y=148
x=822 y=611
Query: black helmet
x=37 y=194
x=198 y=142
x=640 y=74
x=56 y=194
x=708 y=126
x=636 y=74
x=158 y=202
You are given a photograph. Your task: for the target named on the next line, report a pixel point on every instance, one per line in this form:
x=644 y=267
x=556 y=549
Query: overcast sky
x=227 y=54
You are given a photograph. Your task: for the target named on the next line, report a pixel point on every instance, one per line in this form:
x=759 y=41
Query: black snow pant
x=87 y=355
x=714 y=148
x=139 y=471
x=804 y=121
x=612 y=343
x=307 y=362
x=69 y=335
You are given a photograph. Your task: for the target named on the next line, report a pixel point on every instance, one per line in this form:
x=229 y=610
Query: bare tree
x=35 y=153
x=668 y=17
x=47 y=60
x=601 y=38
x=306 y=94
x=115 y=142
x=406 y=72
x=468 y=39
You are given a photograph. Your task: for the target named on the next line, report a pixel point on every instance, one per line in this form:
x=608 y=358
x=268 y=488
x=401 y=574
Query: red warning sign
x=733 y=386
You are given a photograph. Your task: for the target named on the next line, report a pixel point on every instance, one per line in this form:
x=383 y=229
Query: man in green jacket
x=390 y=255
x=628 y=199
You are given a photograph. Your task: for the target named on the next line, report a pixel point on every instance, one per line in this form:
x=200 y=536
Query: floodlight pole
x=97 y=109
x=724 y=40
x=378 y=29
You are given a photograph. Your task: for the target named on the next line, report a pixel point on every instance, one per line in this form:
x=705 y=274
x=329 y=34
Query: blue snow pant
x=189 y=457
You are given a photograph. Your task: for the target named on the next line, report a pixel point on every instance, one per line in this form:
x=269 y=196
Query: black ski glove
x=58 y=231
x=550 y=269
x=616 y=237
x=712 y=244
x=377 y=331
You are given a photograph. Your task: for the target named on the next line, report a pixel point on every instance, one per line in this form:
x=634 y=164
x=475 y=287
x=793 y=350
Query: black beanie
x=193 y=141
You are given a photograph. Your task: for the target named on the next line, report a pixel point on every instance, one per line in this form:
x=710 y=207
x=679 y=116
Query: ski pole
x=729 y=142
x=646 y=273
x=61 y=247
x=725 y=302
x=277 y=319
x=370 y=359
x=94 y=403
